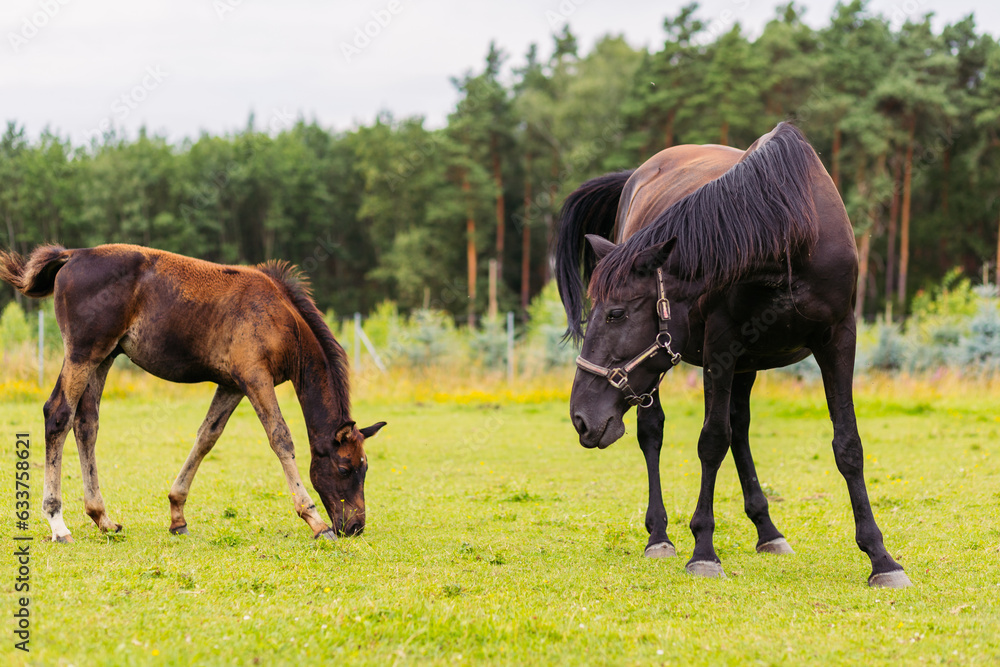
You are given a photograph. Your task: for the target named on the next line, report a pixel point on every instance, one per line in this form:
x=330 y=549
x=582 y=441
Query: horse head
x=338 y=475
x=637 y=326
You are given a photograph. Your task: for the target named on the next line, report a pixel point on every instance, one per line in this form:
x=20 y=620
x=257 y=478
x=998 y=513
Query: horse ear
x=370 y=431
x=344 y=432
x=653 y=258
x=600 y=245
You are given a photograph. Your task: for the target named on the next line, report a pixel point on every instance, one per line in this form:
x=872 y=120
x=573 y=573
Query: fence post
x=41 y=347
x=510 y=346
x=357 y=342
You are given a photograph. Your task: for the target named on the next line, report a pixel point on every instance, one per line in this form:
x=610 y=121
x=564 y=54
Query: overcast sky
x=180 y=67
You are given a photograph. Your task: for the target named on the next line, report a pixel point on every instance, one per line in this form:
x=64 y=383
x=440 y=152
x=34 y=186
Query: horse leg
x=713 y=443
x=262 y=397
x=769 y=540
x=650 y=428
x=223 y=404
x=59 y=412
x=85 y=426
x=836 y=361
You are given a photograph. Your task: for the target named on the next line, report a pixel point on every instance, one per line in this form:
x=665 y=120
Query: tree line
x=904 y=116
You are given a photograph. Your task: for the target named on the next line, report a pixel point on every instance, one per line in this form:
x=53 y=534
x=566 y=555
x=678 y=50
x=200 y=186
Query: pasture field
x=493 y=537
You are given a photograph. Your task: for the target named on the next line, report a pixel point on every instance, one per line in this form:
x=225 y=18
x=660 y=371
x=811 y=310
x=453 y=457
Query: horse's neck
x=322 y=408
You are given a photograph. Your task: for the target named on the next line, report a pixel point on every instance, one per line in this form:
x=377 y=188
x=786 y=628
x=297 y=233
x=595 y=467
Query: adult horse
x=733 y=261
x=246 y=329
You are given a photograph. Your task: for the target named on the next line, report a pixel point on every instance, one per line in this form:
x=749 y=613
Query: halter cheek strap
x=618 y=377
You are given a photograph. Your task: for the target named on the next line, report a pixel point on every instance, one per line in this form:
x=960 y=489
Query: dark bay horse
x=733 y=261
x=246 y=329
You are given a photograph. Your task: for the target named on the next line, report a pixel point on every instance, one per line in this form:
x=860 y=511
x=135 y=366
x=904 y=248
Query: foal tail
x=590 y=209
x=36 y=275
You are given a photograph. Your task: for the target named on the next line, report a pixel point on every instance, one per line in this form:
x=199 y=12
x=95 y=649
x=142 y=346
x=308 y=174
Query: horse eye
x=616 y=314
x=344 y=472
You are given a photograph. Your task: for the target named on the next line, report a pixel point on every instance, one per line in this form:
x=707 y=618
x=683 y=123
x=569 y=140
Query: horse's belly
x=173 y=363
x=761 y=362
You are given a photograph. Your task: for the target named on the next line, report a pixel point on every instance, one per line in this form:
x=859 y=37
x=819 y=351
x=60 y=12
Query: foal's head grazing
x=339 y=464
x=339 y=477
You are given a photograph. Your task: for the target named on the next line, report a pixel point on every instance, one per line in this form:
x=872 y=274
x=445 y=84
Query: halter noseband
x=618 y=377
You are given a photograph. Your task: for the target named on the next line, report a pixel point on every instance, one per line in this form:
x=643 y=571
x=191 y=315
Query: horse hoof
x=661 y=550
x=894 y=579
x=65 y=539
x=778 y=546
x=179 y=530
x=705 y=568
x=328 y=534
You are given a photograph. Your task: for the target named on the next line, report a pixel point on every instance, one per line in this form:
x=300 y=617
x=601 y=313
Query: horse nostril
x=580 y=424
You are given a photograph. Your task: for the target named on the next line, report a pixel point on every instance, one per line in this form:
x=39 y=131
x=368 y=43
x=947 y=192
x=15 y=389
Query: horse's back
x=135 y=276
x=665 y=179
x=676 y=172
x=180 y=318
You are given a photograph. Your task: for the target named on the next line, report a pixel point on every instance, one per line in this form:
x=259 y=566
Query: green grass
x=494 y=537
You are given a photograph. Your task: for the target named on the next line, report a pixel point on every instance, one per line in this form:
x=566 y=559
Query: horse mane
x=759 y=211
x=299 y=290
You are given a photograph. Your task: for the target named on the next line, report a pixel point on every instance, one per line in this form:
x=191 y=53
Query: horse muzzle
x=600 y=436
x=352 y=527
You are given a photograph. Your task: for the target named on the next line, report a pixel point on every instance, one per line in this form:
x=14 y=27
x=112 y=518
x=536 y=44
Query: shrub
x=952 y=325
x=488 y=345
x=14 y=327
x=940 y=318
x=425 y=337
x=979 y=350
x=889 y=353
x=546 y=324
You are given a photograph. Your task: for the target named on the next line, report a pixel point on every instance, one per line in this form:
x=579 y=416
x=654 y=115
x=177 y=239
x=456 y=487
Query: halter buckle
x=663 y=308
x=618 y=378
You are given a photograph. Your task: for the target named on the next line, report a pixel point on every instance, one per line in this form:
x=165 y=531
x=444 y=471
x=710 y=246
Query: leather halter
x=618 y=376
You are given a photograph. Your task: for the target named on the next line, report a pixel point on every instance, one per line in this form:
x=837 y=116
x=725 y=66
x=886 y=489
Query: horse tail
x=590 y=209
x=36 y=275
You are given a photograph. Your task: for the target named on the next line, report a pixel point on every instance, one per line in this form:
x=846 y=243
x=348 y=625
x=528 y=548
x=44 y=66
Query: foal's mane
x=761 y=210
x=299 y=290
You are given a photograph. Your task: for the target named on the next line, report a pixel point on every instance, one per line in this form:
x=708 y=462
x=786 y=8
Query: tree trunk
x=866 y=241
x=498 y=179
x=493 y=309
x=668 y=130
x=526 y=236
x=890 y=256
x=724 y=133
x=644 y=149
x=549 y=217
x=470 y=248
x=997 y=283
x=863 y=254
x=946 y=163
x=904 y=219
x=835 y=158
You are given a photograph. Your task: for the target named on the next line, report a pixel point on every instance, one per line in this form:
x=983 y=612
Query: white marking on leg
x=58 y=526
